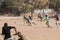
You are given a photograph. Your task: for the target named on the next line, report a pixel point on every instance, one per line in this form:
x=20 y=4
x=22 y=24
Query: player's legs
x=47 y=23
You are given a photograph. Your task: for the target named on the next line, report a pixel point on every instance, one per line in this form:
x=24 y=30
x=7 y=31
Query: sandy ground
x=34 y=32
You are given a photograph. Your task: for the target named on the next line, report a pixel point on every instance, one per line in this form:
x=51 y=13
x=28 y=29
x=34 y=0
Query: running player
x=57 y=20
x=30 y=19
x=47 y=20
x=6 y=31
x=40 y=17
x=26 y=19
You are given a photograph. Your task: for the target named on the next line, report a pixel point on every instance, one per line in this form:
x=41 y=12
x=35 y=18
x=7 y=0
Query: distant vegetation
x=17 y=7
x=54 y=4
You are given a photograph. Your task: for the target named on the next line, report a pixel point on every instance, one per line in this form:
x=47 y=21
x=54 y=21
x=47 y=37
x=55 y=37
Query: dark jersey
x=6 y=32
x=30 y=17
x=57 y=18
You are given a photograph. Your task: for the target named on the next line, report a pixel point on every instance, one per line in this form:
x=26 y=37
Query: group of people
x=28 y=19
x=41 y=18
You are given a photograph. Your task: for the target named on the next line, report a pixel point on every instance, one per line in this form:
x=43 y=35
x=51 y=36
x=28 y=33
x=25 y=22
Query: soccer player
x=47 y=20
x=6 y=31
x=26 y=18
x=40 y=17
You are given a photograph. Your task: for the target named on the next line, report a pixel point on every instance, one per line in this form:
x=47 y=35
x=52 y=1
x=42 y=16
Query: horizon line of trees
x=17 y=7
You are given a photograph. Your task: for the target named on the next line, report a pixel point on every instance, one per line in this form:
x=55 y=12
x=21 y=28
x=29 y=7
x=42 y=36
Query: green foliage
x=27 y=8
x=54 y=4
x=28 y=5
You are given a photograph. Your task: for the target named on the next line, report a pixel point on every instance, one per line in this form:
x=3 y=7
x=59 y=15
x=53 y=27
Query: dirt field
x=34 y=32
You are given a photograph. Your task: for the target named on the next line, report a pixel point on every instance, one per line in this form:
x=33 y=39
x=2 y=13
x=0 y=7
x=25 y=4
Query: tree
x=54 y=4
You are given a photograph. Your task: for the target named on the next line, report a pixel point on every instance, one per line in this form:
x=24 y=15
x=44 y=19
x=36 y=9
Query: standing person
x=6 y=31
x=43 y=12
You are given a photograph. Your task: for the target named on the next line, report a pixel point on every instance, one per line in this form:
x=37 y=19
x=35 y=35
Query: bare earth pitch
x=34 y=32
